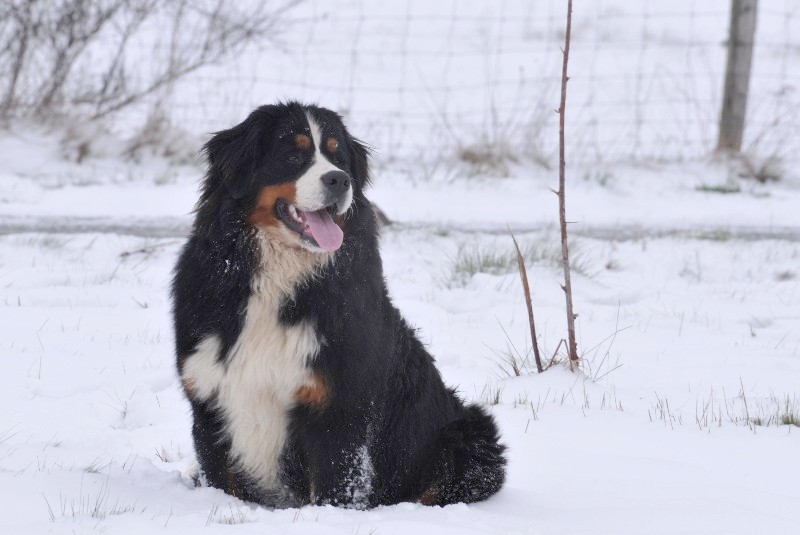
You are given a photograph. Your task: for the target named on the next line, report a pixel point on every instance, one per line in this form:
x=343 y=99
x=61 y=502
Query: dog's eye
x=332 y=144
x=294 y=159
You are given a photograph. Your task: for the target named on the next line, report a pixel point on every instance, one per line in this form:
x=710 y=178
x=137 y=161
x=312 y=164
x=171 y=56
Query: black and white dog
x=306 y=384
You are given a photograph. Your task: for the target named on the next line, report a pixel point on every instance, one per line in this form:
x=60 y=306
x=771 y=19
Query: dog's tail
x=469 y=464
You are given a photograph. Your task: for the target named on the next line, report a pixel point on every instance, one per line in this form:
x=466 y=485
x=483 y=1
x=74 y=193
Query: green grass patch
x=500 y=258
x=723 y=189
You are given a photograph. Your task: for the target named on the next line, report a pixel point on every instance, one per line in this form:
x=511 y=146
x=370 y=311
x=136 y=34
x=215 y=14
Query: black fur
x=383 y=388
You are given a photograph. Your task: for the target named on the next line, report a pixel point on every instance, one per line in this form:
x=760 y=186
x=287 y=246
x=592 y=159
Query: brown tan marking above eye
x=302 y=141
x=332 y=144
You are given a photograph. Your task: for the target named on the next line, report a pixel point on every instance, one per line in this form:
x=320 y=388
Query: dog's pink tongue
x=327 y=233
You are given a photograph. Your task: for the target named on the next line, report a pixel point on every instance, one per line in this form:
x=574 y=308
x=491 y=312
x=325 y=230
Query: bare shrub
x=501 y=139
x=162 y=138
x=763 y=170
x=574 y=359
x=85 y=57
x=494 y=149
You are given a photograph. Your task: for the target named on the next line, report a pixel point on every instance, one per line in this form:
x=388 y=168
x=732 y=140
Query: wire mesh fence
x=422 y=79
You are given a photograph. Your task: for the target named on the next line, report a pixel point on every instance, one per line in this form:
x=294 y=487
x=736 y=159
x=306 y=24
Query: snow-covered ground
x=689 y=324
x=687 y=287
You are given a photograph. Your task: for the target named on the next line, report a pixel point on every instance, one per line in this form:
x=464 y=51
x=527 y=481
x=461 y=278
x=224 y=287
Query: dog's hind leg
x=468 y=464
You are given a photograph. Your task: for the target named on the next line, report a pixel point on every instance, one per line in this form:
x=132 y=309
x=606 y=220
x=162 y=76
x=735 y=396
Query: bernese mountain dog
x=306 y=384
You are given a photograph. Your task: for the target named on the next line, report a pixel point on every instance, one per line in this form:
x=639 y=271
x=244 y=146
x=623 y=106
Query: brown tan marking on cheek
x=332 y=144
x=315 y=393
x=302 y=141
x=264 y=212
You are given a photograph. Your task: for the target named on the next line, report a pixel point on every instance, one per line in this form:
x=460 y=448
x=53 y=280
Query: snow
x=688 y=299
x=90 y=387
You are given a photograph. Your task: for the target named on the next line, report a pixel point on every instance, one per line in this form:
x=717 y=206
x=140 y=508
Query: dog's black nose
x=336 y=182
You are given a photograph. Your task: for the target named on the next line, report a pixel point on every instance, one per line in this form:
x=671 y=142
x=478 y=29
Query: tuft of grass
x=513 y=363
x=491 y=395
x=488 y=157
x=232 y=517
x=119 y=404
x=96 y=467
x=715 y=235
x=470 y=260
x=774 y=410
x=739 y=410
x=601 y=177
x=790 y=418
x=780 y=410
x=522 y=399
x=723 y=189
x=44 y=241
x=589 y=358
x=495 y=259
x=661 y=411
x=493 y=149
x=168 y=455
x=98 y=506
x=211 y=514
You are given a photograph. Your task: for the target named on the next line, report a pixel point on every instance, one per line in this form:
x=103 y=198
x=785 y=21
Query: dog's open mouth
x=317 y=228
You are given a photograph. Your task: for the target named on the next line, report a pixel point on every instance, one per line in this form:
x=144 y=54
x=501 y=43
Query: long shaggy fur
x=306 y=384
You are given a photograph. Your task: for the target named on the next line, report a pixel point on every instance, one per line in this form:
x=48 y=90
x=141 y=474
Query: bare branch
x=555 y=353
x=572 y=349
x=20 y=32
x=79 y=56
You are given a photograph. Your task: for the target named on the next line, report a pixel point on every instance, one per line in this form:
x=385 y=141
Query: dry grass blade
x=555 y=353
x=523 y=274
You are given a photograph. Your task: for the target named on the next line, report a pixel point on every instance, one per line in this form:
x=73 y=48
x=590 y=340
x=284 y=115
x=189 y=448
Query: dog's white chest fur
x=255 y=388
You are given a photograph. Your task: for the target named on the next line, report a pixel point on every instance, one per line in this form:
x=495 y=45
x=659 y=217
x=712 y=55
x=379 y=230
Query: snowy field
x=685 y=415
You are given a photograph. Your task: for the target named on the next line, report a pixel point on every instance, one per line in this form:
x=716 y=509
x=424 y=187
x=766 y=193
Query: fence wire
x=420 y=79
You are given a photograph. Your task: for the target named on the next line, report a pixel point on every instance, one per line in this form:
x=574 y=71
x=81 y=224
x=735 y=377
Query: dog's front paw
x=192 y=476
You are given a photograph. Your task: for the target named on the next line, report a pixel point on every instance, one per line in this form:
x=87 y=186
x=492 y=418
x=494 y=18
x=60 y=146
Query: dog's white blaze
x=310 y=190
x=255 y=388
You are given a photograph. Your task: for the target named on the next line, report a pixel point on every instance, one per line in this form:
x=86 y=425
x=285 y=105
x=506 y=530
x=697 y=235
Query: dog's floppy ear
x=359 y=161
x=234 y=154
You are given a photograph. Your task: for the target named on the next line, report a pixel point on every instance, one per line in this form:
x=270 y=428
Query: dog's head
x=294 y=169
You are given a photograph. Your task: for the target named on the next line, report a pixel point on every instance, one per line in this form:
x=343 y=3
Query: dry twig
x=562 y=210
x=524 y=276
